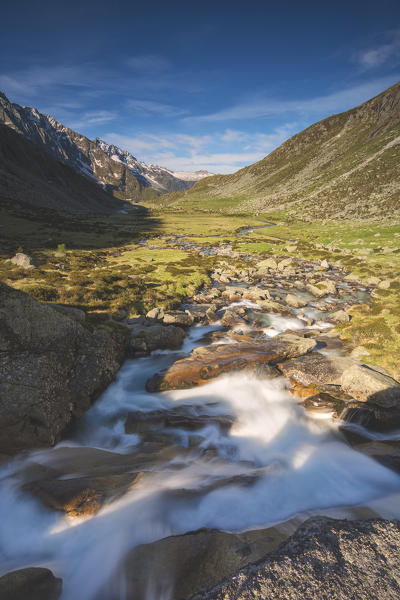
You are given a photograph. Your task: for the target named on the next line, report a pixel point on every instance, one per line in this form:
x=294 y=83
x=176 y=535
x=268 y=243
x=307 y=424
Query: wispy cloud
x=150 y=108
x=223 y=152
x=378 y=55
x=324 y=105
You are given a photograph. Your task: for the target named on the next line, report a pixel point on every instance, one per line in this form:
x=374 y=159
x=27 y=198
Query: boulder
x=186 y=564
x=325 y=558
x=52 y=367
x=22 y=260
x=81 y=496
x=208 y=362
x=268 y=264
x=180 y=318
x=156 y=337
x=231 y=318
x=272 y=306
x=295 y=301
x=156 y=313
x=34 y=583
x=322 y=288
x=286 y=262
x=316 y=369
x=340 y=316
x=367 y=384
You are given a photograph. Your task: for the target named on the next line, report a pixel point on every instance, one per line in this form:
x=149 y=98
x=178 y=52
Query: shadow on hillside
x=34 y=228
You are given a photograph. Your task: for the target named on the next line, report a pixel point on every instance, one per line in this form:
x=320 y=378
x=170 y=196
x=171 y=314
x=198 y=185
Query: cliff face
x=346 y=166
x=52 y=366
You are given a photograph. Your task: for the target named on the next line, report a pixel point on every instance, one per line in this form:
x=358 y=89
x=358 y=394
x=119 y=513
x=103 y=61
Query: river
x=275 y=463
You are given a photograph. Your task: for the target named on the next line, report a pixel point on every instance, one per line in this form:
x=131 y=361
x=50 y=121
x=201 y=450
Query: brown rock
x=208 y=362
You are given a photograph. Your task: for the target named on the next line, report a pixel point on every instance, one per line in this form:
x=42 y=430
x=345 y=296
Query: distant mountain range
x=344 y=167
x=114 y=171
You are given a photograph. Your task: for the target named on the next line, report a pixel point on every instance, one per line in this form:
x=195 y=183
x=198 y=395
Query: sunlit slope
x=346 y=166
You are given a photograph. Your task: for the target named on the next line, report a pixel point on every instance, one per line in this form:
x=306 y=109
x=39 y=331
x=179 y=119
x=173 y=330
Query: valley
x=200 y=390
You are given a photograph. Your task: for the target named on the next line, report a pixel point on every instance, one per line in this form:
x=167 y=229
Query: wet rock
x=387 y=453
x=179 y=417
x=180 y=318
x=32 y=583
x=231 y=318
x=188 y=563
x=209 y=362
x=368 y=384
x=316 y=369
x=325 y=558
x=52 y=367
x=81 y=496
x=272 y=306
x=295 y=301
x=157 y=337
x=22 y=260
x=204 y=313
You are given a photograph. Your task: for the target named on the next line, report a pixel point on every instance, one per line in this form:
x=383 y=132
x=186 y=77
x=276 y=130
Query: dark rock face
x=32 y=583
x=325 y=559
x=51 y=369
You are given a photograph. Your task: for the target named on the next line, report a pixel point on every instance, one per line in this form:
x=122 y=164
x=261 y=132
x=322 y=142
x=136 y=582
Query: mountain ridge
x=345 y=166
x=116 y=170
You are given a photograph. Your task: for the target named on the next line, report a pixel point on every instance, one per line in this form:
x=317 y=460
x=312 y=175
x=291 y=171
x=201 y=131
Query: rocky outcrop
x=316 y=369
x=145 y=339
x=33 y=583
x=208 y=362
x=324 y=559
x=52 y=367
x=185 y=564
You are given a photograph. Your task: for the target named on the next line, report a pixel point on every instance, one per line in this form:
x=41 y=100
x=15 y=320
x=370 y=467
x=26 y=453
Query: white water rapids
x=299 y=465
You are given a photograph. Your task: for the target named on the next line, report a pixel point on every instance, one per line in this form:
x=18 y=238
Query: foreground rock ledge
x=326 y=559
x=208 y=362
x=52 y=366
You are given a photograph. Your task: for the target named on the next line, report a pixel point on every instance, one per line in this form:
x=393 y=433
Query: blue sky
x=203 y=85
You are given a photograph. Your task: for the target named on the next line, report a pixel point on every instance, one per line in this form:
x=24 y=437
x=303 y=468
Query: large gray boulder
x=325 y=559
x=34 y=583
x=368 y=384
x=52 y=367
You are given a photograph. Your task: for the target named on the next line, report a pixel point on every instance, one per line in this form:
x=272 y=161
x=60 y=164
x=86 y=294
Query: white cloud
x=224 y=152
x=331 y=103
x=377 y=56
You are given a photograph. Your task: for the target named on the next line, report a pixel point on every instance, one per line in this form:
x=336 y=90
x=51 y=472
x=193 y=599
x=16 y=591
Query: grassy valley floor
x=126 y=264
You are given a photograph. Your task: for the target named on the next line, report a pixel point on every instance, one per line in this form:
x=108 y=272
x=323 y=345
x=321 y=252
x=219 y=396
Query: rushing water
x=275 y=462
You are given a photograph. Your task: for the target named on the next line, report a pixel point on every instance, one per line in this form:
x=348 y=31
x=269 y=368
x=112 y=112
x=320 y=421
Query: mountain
x=159 y=178
x=345 y=166
x=29 y=174
x=117 y=171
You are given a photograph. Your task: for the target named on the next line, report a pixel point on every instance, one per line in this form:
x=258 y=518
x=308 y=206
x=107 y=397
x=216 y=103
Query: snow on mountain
x=159 y=178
